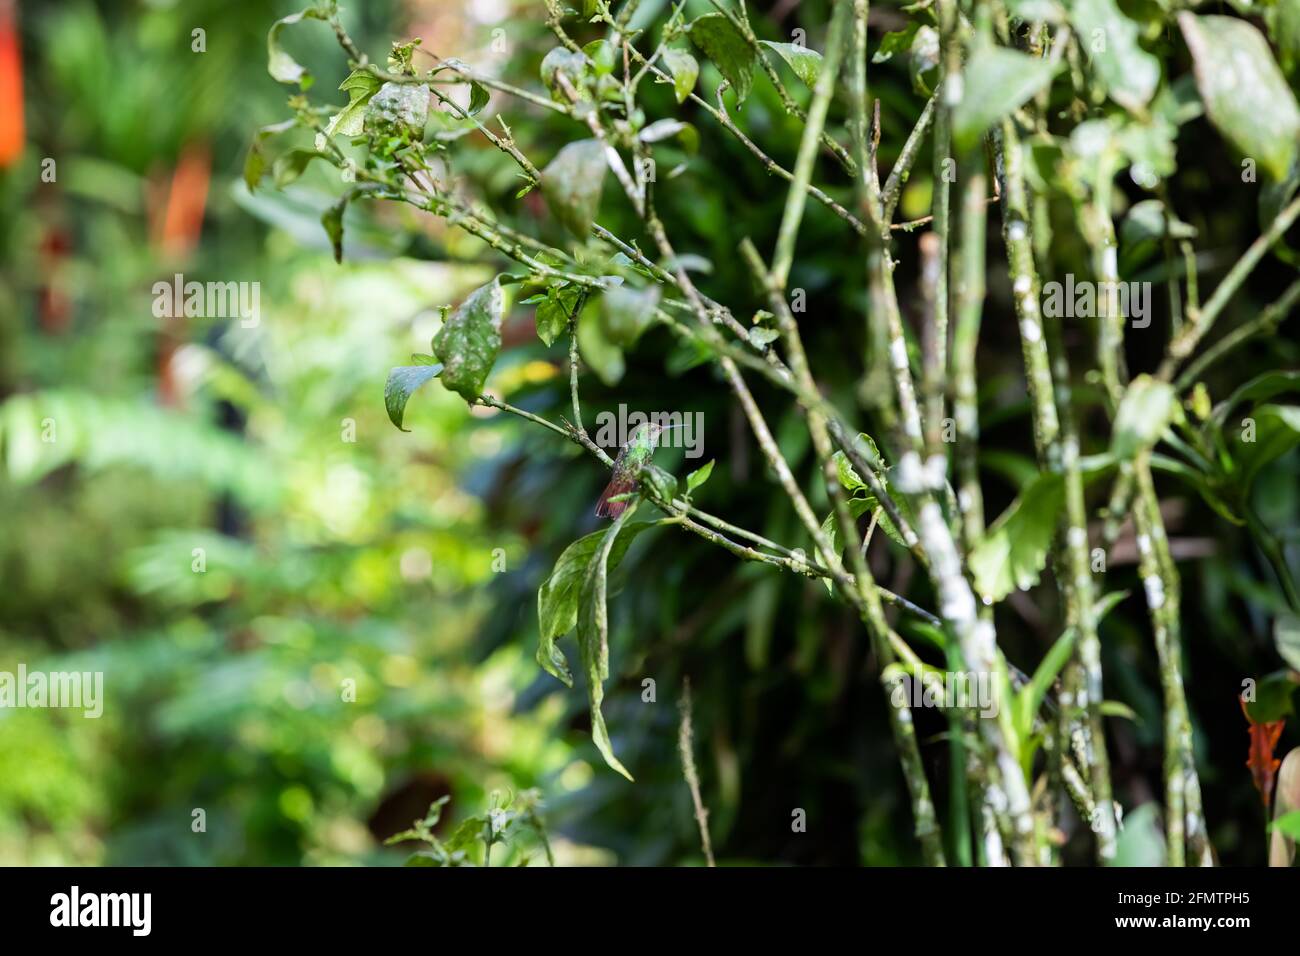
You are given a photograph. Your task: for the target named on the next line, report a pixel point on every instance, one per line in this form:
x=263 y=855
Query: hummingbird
x=632 y=457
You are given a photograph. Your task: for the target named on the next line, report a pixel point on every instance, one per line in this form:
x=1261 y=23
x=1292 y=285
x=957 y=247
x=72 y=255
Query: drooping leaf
x=557 y=598
x=698 y=477
x=719 y=40
x=1145 y=411
x=402 y=382
x=593 y=635
x=282 y=67
x=806 y=63
x=684 y=69
x=291 y=165
x=1110 y=39
x=468 y=342
x=332 y=220
x=255 y=161
x=1245 y=94
x=1014 y=549
x=995 y=82
x=572 y=182
x=628 y=312
x=478 y=97
x=601 y=354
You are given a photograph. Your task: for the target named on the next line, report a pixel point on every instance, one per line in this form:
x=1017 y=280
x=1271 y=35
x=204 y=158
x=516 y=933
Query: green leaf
x=572 y=183
x=1283 y=21
x=1145 y=411
x=996 y=81
x=603 y=56
x=1259 y=388
x=468 y=342
x=600 y=353
x=1014 y=549
x=1288 y=824
x=554 y=310
x=1141 y=842
x=806 y=63
x=1273 y=698
x=332 y=220
x=663 y=483
x=698 y=477
x=282 y=67
x=1277 y=431
x=688 y=137
x=291 y=165
x=255 y=161
x=1245 y=94
x=402 y=382
x=1286 y=637
x=899 y=41
x=628 y=312
x=684 y=69
x=1113 y=708
x=593 y=635
x=1031 y=697
x=831 y=527
x=478 y=97
x=727 y=49
x=562 y=62
x=361 y=86
x=850 y=480
x=1129 y=73
x=557 y=598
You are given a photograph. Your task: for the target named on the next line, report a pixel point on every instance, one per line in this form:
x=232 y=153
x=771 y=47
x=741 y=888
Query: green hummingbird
x=632 y=457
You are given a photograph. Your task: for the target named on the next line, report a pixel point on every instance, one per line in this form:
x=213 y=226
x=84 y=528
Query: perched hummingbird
x=632 y=457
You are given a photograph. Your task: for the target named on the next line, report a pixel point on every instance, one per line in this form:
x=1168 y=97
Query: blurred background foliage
x=338 y=549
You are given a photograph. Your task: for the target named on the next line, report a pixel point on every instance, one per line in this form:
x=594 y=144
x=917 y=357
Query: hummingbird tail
x=612 y=509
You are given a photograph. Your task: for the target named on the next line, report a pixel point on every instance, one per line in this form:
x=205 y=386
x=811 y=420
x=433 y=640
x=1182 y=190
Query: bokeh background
x=338 y=548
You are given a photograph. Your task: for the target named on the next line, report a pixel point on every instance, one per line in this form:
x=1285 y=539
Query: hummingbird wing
x=618 y=485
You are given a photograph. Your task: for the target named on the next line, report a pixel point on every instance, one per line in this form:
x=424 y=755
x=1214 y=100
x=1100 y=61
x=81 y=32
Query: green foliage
x=572 y=185
x=593 y=634
x=402 y=383
x=1245 y=94
x=806 y=63
x=469 y=341
x=1146 y=410
x=727 y=49
x=1014 y=550
x=997 y=81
